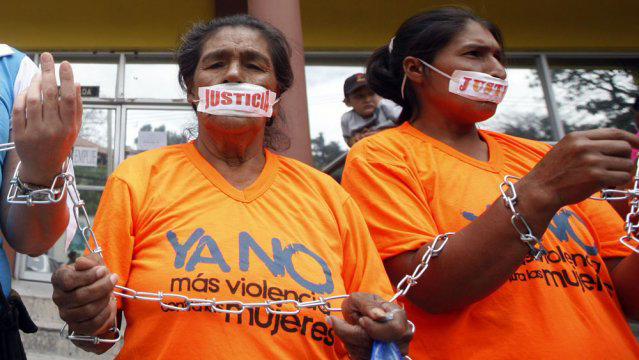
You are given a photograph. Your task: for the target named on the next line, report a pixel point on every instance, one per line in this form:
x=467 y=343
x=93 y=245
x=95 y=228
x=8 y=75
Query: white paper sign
x=85 y=156
x=148 y=140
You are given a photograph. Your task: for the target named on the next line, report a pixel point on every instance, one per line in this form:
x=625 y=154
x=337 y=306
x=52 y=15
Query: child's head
x=359 y=96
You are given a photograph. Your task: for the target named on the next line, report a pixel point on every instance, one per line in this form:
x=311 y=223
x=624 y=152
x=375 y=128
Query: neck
x=239 y=158
x=463 y=137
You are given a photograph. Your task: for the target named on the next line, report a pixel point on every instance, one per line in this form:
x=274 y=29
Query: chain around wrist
x=520 y=224
x=21 y=192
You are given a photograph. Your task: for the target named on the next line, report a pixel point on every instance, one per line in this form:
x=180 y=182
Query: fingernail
x=114 y=279
x=378 y=313
x=101 y=271
x=329 y=321
x=391 y=314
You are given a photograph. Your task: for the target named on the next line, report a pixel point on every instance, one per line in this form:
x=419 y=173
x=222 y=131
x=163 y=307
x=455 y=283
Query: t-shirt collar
x=495 y=156
x=254 y=191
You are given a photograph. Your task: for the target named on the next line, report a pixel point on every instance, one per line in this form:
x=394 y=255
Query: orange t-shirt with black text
x=411 y=187
x=169 y=222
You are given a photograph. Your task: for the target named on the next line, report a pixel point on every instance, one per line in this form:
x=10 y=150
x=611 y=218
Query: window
x=149 y=128
x=595 y=94
x=152 y=81
x=96 y=142
x=103 y=75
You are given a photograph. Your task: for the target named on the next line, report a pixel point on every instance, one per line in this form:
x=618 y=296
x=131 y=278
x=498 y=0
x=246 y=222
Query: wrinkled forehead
x=237 y=39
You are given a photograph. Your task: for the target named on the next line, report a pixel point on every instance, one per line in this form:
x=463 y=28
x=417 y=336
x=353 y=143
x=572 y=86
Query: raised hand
x=582 y=163
x=46 y=122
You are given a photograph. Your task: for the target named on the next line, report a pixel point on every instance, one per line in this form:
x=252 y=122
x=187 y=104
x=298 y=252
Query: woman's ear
x=190 y=98
x=414 y=69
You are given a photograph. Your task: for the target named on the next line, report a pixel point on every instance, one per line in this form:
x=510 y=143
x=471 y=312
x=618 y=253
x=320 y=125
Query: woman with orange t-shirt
x=556 y=285
x=225 y=222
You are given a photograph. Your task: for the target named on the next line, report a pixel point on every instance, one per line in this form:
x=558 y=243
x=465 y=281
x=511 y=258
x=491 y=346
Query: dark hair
x=189 y=52
x=422 y=36
x=635 y=106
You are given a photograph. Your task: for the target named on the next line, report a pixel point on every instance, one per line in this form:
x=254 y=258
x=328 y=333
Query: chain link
x=520 y=224
x=226 y=306
x=220 y=306
x=631 y=239
x=7 y=147
x=49 y=195
x=432 y=250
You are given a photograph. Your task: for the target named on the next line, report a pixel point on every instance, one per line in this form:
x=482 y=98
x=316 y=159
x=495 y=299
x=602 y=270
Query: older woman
x=225 y=218
x=539 y=276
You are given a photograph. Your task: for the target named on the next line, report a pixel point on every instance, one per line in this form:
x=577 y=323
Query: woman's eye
x=254 y=67
x=215 y=65
x=473 y=53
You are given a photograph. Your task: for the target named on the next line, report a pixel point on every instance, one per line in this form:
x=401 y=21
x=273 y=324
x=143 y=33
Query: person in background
x=492 y=292
x=42 y=144
x=370 y=113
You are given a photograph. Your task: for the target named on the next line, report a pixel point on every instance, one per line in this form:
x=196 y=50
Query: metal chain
x=631 y=239
x=49 y=195
x=7 y=147
x=432 y=250
x=220 y=306
x=526 y=235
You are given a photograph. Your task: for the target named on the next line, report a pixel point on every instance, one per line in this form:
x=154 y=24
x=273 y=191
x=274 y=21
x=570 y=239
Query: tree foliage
x=323 y=153
x=608 y=93
x=586 y=98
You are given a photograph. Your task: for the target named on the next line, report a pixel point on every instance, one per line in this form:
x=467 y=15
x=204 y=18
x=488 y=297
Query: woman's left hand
x=368 y=317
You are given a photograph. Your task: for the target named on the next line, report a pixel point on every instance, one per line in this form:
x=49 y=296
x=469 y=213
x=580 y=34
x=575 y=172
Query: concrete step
x=38 y=356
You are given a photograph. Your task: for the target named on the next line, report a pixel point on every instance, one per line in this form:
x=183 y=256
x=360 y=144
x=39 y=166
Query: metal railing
x=335 y=164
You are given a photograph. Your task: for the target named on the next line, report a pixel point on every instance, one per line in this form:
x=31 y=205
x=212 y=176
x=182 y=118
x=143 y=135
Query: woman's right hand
x=83 y=292
x=582 y=163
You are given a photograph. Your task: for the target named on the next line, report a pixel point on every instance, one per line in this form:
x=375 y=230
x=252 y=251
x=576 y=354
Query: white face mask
x=236 y=99
x=472 y=85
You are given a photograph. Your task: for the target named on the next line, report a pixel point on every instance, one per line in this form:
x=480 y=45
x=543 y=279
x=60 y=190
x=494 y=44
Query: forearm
x=479 y=258
x=34 y=229
x=31 y=229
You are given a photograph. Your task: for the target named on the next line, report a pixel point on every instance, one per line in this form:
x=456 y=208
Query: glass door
x=93 y=156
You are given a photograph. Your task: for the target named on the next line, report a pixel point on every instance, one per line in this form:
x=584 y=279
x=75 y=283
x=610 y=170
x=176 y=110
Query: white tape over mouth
x=236 y=99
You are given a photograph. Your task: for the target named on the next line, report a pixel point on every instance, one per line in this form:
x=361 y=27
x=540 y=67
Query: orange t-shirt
x=168 y=221
x=411 y=187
